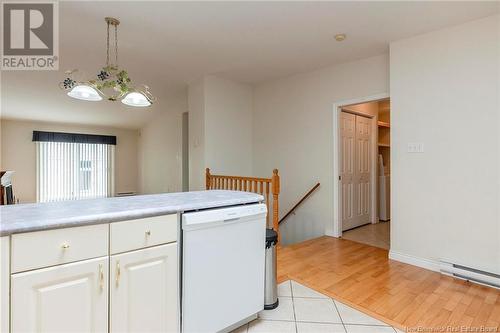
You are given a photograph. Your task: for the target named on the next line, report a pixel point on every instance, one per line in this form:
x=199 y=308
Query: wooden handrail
x=299 y=203
x=267 y=187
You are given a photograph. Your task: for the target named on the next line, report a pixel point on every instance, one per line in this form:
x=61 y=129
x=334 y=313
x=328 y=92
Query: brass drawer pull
x=118 y=273
x=101 y=277
x=65 y=246
x=148 y=233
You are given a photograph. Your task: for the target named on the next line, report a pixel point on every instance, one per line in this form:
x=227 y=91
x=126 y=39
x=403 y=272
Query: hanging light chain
x=116 y=45
x=107 y=46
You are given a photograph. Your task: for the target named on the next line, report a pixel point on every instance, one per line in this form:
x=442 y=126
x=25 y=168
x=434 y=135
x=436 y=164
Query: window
x=74 y=170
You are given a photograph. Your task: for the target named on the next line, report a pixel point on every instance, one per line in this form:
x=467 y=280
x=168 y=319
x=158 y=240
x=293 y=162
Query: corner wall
x=220 y=129
x=293 y=131
x=160 y=147
x=444 y=93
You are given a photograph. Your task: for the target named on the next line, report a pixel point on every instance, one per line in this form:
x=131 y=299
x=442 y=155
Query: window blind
x=72 y=171
x=41 y=136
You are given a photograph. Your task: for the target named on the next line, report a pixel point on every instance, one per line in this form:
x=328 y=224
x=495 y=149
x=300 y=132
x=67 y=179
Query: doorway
x=362 y=166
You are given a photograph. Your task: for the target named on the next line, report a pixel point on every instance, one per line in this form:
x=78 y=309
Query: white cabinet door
x=65 y=298
x=144 y=290
x=4 y=283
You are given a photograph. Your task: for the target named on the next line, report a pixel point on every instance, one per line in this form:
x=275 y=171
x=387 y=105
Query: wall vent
x=470 y=274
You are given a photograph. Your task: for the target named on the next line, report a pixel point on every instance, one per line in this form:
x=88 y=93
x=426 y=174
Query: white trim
x=337 y=218
x=433 y=265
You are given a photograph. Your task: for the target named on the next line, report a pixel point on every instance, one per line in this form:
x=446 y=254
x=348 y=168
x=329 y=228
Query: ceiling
x=169 y=44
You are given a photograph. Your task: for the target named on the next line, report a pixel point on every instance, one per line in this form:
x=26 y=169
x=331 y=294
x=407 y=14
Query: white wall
x=160 y=147
x=293 y=132
x=220 y=128
x=196 y=111
x=228 y=124
x=444 y=93
x=18 y=154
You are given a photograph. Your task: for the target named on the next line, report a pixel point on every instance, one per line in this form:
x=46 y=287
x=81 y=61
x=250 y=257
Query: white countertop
x=43 y=216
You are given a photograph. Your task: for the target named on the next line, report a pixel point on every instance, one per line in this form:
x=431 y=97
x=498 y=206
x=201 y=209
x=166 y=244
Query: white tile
x=241 y=329
x=320 y=310
x=353 y=316
x=271 y=326
x=303 y=291
x=285 y=289
x=284 y=311
x=368 y=329
x=319 y=328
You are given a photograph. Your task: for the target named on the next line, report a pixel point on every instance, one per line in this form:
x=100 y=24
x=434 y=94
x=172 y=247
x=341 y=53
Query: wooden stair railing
x=268 y=187
x=299 y=203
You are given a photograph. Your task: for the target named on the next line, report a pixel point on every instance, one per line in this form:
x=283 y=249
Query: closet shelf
x=384 y=124
x=384 y=145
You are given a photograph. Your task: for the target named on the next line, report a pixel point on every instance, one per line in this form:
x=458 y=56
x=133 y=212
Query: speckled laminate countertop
x=53 y=215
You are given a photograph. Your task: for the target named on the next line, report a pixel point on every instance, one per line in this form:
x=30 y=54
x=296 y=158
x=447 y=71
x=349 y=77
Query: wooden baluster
x=207 y=179
x=276 y=192
x=267 y=203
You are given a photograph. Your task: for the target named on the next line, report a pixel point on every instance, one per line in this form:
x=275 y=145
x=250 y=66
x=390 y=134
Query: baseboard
x=429 y=264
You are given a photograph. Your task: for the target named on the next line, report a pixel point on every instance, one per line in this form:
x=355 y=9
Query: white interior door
x=144 y=290
x=355 y=170
x=363 y=170
x=347 y=168
x=66 y=298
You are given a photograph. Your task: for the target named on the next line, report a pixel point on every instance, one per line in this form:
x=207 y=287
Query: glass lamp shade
x=136 y=99
x=85 y=93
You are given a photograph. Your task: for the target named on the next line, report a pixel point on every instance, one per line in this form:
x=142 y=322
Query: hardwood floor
x=401 y=295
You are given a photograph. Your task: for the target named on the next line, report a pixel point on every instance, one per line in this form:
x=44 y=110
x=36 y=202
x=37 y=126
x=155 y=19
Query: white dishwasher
x=223 y=262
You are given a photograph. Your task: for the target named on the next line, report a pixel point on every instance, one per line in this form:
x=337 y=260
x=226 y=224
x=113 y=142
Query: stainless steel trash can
x=271 y=287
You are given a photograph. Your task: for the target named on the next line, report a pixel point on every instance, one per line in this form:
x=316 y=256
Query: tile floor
x=377 y=235
x=303 y=310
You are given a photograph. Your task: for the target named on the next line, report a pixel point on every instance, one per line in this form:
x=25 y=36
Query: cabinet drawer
x=53 y=247
x=137 y=234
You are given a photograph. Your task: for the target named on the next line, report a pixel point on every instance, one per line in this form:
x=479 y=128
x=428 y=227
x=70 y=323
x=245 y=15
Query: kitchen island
x=98 y=265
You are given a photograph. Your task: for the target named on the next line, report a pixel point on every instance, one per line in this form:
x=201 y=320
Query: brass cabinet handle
x=101 y=277
x=148 y=233
x=118 y=272
x=65 y=246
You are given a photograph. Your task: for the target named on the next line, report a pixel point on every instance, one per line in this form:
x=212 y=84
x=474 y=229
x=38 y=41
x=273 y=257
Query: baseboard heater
x=470 y=274
x=125 y=194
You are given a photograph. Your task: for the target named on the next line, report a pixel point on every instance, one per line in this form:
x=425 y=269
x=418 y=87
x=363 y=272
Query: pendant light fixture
x=111 y=82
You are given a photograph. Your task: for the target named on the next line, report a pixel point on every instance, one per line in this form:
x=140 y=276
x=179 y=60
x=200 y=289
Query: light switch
x=415 y=147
